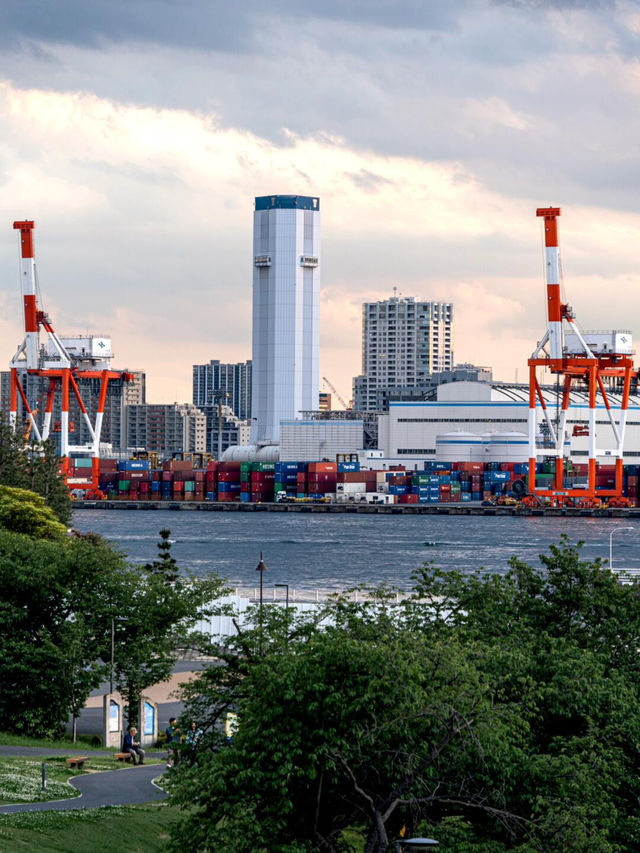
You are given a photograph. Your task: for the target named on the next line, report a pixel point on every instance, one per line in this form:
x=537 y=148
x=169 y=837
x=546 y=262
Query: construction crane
x=63 y=361
x=333 y=390
x=576 y=357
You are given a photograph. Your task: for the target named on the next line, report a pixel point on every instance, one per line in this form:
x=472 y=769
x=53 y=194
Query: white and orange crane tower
x=60 y=367
x=592 y=358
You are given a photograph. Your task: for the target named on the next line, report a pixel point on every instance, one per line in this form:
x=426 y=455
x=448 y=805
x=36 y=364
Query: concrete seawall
x=361 y=509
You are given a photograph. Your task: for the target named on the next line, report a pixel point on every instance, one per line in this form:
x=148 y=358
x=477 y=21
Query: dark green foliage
x=33 y=466
x=59 y=598
x=493 y=712
x=55 y=615
x=156 y=622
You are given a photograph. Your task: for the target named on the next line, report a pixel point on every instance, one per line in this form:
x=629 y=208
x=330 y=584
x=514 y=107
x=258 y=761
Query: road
x=123 y=787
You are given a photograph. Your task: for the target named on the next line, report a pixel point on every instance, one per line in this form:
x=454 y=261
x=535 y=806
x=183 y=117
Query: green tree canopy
x=495 y=712
x=33 y=466
x=61 y=593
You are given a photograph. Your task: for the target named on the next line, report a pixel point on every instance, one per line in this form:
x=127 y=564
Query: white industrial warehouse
x=478 y=420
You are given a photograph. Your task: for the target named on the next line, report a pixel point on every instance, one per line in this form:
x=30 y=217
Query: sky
x=136 y=134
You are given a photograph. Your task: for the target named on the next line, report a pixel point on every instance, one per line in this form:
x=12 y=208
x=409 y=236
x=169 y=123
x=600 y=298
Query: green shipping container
x=190 y=486
x=420 y=480
x=124 y=485
x=263 y=466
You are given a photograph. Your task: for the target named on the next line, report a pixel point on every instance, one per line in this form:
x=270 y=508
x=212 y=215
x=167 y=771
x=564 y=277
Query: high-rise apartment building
x=166 y=428
x=286 y=311
x=229 y=382
x=403 y=342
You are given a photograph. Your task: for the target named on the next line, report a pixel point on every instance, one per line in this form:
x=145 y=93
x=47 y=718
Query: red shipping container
x=212 y=466
x=199 y=476
x=167 y=477
x=228 y=476
x=408 y=499
x=445 y=487
x=156 y=475
x=178 y=486
x=455 y=497
x=135 y=475
x=472 y=467
x=230 y=467
x=177 y=465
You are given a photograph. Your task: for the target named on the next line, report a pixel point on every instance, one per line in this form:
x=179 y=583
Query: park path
x=122 y=787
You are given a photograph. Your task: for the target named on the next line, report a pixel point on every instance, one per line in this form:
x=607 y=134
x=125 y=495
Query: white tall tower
x=286 y=311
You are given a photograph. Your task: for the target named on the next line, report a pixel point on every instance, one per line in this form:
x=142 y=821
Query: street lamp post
x=114 y=619
x=611 y=544
x=405 y=845
x=286 y=587
x=262 y=568
x=113 y=644
x=286 y=606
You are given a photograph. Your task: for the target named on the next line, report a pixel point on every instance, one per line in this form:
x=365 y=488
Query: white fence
x=244 y=598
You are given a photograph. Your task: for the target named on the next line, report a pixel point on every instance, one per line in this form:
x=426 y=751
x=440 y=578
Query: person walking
x=132 y=746
x=173 y=742
x=192 y=741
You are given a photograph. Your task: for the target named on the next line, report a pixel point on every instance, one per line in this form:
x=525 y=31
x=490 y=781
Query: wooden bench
x=122 y=756
x=77 y=761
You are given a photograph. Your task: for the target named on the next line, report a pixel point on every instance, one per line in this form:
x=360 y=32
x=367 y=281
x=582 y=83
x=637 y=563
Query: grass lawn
x=21 y=777
x=135 y=829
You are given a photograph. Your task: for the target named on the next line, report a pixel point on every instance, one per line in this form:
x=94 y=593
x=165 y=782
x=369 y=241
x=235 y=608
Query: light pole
x=113 y=643
x=611 y=544
x=284 y=586
x=262 y=568
x=286 y=607
x=405 y=845
x=114 y=619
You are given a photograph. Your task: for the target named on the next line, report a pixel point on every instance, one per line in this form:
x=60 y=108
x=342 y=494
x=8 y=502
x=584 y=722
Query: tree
x=57 y=597
x=22 y=511
x=158 y=618
x=498 y=712
x=60 y=594
x=34 y=466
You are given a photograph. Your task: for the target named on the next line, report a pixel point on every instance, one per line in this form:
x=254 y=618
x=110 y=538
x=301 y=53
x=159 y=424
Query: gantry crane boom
x=333 y=390
x=575 y=356
x=59 y=365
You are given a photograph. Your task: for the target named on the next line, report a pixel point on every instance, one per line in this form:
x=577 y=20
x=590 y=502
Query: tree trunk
x=74 y=727
x=377 y=841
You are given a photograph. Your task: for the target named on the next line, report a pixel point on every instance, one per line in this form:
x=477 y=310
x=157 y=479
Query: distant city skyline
x=137 y=141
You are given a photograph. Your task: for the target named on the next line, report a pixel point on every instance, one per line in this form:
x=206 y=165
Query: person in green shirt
x=173 y=742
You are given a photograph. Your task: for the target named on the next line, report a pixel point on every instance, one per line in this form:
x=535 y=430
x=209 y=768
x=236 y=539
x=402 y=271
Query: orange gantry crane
x=63 y=361
x=590 y=359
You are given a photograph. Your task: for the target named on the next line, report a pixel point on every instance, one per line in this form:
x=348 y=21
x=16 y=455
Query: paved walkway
x=123 y=787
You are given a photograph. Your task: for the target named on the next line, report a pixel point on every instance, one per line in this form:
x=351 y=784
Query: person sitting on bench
x=132 y=746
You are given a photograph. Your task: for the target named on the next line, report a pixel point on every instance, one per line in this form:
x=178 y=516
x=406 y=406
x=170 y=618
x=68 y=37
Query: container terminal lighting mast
x=587 y=358
x=62 y=361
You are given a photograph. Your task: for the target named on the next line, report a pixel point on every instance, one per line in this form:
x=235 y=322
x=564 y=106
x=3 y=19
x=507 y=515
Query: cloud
x=137 y=136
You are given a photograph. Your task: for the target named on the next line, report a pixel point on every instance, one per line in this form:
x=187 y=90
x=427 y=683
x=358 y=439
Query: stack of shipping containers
x=258 y=482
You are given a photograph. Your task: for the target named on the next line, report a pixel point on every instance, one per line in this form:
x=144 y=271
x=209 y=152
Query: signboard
x=231 y=724
x=114 y=716
x=148 y=725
